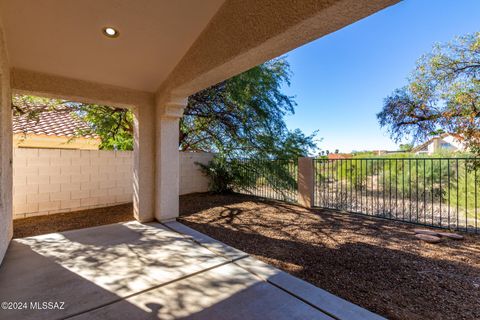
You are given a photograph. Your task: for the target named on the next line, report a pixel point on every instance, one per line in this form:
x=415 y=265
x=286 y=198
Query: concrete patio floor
x=153 y=271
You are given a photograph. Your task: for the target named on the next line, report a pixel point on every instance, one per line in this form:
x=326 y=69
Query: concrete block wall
x=191 y=178
x=49 y=181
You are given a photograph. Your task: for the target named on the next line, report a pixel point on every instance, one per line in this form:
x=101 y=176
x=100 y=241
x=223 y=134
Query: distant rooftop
x=52 y=123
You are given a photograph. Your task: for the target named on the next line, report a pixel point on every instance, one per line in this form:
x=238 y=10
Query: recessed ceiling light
x=110 y=32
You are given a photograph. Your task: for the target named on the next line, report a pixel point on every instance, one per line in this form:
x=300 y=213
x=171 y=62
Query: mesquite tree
x=442 y=96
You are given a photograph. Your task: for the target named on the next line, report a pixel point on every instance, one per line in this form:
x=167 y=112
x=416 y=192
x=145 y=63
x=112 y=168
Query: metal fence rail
x=272 y=179
x=439 y=192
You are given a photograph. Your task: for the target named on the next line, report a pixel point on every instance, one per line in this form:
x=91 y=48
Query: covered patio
x=148 y=271
x=149 y=56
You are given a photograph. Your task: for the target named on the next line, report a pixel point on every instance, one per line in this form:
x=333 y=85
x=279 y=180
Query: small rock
x=428 y=238
x=450 y=235
x=425 y=231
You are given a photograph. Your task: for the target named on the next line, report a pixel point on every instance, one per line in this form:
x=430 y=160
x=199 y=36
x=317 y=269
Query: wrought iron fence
x=439 y=192
x=272 y=179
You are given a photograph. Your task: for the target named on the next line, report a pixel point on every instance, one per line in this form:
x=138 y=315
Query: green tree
x=407 y=147
x=113 y=125
x=443 y=95
x=244 y=116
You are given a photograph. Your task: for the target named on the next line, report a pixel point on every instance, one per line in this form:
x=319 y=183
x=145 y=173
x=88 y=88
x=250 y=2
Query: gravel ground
x=71 y=220
x=375 y=263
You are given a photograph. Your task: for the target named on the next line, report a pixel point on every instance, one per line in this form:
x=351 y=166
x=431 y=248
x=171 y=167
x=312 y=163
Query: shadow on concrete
x=144 y=276
x=227 y=292
x=29 y=277
x=91 y=267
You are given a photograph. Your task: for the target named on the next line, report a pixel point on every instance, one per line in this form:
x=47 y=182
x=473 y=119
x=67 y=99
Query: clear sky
x=340 y=80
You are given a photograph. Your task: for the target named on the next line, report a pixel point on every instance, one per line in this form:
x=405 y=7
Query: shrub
x=219 y=172
x=246 y=175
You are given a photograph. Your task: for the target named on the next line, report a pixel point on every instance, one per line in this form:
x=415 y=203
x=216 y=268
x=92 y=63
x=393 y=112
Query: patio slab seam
x=317 y=298
x=213 y=245
x=148 y=289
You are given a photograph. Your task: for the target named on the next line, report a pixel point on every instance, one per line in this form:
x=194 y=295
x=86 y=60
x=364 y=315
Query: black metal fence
x=272 y=179
x=439 y=192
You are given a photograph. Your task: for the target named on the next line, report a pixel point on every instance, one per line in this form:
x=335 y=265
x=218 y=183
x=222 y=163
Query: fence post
x=305 y=182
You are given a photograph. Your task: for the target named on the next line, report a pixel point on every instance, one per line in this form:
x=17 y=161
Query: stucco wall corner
x=6 y=226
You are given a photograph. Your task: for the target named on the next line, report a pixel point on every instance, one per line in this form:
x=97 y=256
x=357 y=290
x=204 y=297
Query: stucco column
x=305 y=182
x=167 y=159
x=144 y=163
x=6 y=222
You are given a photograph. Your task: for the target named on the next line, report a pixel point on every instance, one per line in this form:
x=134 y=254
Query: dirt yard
x=377 y=264
x=71 y=220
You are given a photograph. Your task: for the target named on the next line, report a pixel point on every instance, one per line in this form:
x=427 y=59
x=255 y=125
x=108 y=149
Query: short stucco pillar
x=144 y=163
x=305 y=182
x=167 y=159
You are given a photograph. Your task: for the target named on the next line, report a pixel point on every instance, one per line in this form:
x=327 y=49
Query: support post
x=167 y=159
x=305 y=182
x=6 y=200
x=144 y=163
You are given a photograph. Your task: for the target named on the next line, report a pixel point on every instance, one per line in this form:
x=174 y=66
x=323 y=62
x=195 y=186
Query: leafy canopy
x=442 y=96
x=244 y=116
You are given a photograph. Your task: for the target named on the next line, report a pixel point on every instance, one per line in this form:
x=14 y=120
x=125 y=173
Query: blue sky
x=339 y=81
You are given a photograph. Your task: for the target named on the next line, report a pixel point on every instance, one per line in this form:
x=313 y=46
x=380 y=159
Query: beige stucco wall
x=191 y=178
x=6 y=230
x=167 y=170
x=305 y=182
x=49 y=181
x=55 y=142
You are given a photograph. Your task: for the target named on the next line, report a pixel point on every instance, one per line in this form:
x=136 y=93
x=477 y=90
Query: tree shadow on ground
x=135 y=271
x=375 y=263
x=195 y=202
x=27 y=276
x=59 y=222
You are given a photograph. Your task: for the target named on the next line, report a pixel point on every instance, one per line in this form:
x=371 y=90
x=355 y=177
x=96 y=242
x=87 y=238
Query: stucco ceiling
x=64 y=37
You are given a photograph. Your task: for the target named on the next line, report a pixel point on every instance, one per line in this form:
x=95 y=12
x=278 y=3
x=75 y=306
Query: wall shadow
x=26 y=276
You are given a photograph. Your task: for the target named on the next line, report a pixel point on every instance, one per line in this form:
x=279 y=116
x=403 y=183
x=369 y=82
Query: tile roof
x=52 y=123
x=334 y=156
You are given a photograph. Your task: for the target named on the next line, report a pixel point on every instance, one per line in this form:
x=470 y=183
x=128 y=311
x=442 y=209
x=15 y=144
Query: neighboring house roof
x=334 y=156
x=52 y=123
x=424 y=146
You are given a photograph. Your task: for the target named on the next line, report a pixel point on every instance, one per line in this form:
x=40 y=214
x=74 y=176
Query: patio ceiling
x=65 y=38
x=170 y=48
